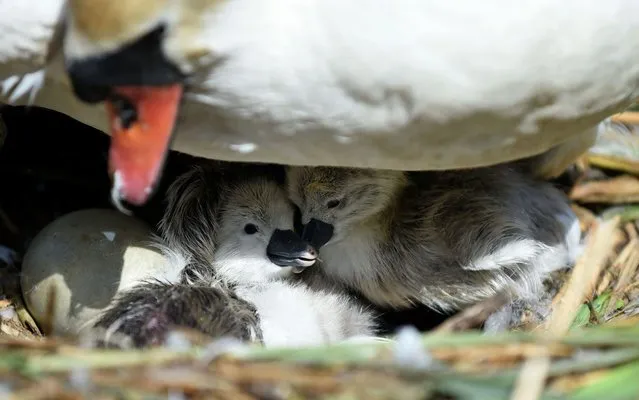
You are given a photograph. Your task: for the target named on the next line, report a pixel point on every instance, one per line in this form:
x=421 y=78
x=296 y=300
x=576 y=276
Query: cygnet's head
x=334 y=201
x=255 y=239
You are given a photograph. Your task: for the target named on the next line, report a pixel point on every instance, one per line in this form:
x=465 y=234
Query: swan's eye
x=332 y=203
x=250 y=229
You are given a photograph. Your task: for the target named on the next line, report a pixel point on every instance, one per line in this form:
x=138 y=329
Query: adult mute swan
x=411 y=85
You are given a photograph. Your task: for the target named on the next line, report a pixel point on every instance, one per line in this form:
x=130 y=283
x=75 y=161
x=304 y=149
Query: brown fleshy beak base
x=142 y=119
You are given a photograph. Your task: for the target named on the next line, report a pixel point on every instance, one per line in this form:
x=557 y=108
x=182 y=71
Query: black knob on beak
x=287 y=249
x=317 y=233
x=140 y=63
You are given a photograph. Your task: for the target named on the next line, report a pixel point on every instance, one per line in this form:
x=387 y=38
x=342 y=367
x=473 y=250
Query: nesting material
x=581 y=283
x=623 y=189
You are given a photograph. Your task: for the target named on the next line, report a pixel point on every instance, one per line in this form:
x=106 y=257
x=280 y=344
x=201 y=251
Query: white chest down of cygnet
x=443 y=239
x=233 y=234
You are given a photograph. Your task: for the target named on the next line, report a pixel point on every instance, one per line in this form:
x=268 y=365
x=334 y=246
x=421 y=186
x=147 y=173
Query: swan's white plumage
x=27 y=28
x=416 y=85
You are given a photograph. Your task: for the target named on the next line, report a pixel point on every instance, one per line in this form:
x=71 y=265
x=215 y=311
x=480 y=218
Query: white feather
x=411 y=85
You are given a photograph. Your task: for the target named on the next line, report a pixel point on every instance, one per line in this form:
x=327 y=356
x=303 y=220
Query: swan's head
x=256 y=241
x=335 y=201
x=160 y=41
x=137 y=55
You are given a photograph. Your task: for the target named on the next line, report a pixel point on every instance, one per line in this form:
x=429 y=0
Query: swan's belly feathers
x=427 y=85
x=422 y=85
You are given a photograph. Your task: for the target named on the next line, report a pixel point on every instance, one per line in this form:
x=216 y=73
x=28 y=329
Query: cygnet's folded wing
x=147 y=313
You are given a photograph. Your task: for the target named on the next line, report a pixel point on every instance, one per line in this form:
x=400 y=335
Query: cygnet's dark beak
x=317 y=233
x=287 y=249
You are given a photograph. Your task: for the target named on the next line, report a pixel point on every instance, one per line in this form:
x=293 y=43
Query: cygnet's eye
x=332 y=203
x=250 y=229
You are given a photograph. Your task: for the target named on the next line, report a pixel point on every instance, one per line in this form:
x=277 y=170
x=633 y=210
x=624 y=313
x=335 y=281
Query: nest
x=587 y=348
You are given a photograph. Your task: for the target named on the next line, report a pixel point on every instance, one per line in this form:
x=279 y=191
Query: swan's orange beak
x=142 y=119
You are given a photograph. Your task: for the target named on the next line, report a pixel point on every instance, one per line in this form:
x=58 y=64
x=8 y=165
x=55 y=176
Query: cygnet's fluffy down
x=145 y=314
x=295 y=314
x=444 y=239
x=221 y=226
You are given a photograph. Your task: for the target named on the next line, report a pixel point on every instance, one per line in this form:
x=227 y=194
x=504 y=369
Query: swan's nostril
x=125 y=110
